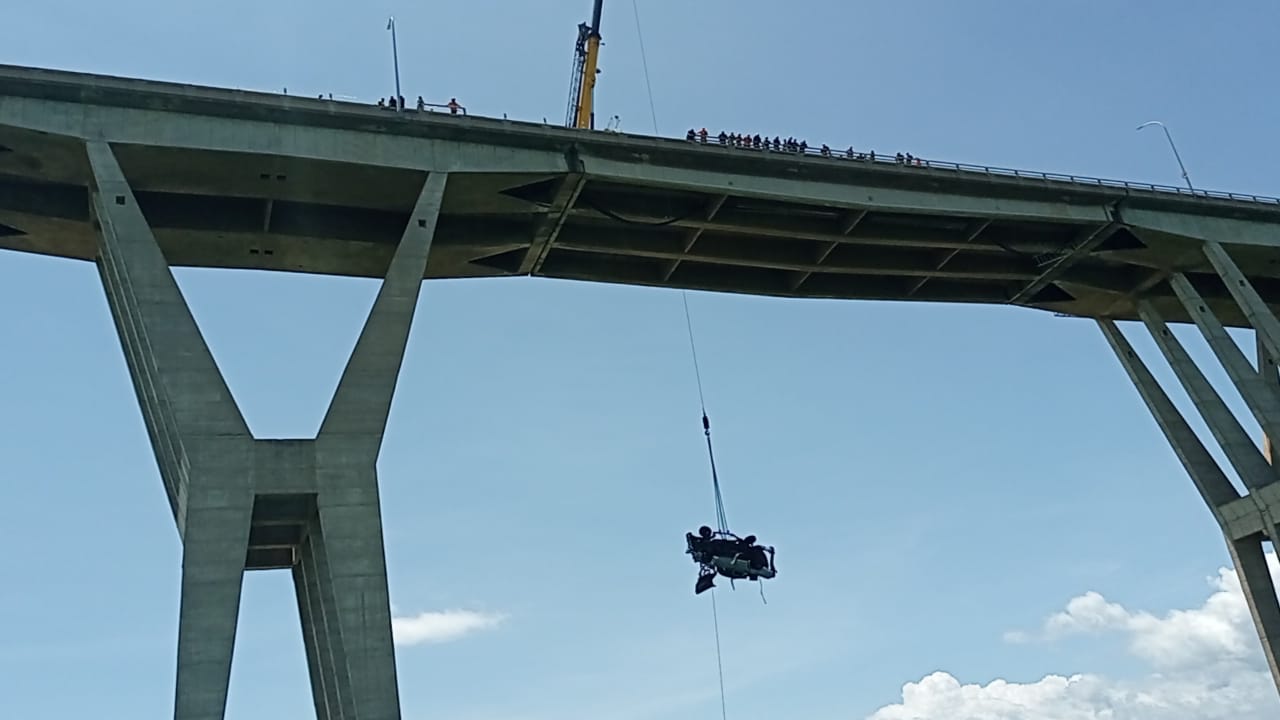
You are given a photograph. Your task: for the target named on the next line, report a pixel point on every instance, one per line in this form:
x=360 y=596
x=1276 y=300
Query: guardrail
x=917 y=162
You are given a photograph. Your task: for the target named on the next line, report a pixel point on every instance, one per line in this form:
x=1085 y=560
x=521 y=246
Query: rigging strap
x=721 y=518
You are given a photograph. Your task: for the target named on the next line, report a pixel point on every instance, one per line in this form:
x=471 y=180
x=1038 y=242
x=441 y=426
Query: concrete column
x=330 y=680
x=202 y=444
x=363 y=398
x=1215 y=489
x=1250 y=302
x=183 y=397
x=347 y=448
x=1259 y=395
x=1245 y=521
x=1250 y=561
x=213 y=554
x=310 y=505
x=1226 y=429
x=1267 y=368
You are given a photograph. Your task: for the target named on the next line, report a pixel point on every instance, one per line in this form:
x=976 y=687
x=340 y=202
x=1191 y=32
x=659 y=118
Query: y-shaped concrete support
x=1246 y=520
x=245 y=504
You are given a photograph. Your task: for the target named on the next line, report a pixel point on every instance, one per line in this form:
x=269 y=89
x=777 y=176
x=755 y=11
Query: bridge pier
x=1248 y=519
x=242 y=503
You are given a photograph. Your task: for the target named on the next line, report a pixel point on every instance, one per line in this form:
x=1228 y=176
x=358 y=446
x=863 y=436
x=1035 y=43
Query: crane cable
x=715 y=483
x=721 y=518
x=644 y=62
x=706 y=423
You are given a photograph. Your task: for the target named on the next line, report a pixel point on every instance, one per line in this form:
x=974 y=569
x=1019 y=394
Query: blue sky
x=935 y=477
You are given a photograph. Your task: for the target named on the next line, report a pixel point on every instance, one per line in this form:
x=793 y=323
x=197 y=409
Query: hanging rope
x=721 y=519
x=719 y=666
x=645 y=63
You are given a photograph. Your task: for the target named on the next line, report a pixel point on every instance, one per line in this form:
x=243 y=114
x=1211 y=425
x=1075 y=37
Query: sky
x=975 y=515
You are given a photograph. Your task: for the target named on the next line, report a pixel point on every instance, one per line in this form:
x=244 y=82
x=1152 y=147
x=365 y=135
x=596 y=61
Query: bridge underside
x=218 y=208
x=139 y=177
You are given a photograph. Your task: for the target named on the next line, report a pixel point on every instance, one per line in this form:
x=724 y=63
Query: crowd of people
x=745 y=141
x=748 y=141
x=393 y=103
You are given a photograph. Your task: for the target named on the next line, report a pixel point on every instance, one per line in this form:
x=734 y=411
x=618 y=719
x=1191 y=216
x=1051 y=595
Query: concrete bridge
x=140 y=176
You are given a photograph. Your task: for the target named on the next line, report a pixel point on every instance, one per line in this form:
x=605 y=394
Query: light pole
x=1175 y=150
x=395 y=59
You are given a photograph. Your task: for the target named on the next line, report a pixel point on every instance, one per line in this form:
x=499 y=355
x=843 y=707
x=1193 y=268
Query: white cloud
x=441 y=626
x=1207 y=664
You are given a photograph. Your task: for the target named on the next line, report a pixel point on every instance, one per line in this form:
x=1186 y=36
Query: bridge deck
x=229 y=178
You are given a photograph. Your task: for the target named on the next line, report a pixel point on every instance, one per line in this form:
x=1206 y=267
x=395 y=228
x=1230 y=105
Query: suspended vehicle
x=723 y=553
x=720 y=552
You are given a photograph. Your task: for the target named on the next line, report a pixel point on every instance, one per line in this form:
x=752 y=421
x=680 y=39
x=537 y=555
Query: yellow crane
x=582 y=87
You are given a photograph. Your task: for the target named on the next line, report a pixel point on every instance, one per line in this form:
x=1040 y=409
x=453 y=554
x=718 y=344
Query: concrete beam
x=695 y=232
x=1270 y=373
x=1259 y=394
x=972 y=235
x=1207 y=228
x=561 y=205
x=182 y=395
x=118 y=125
x=1086 y=241
x=852 y=197
x=781 y=257
x=1213 y=485
x=1243 y=455
x=1259 y=589
x=363 y=399
x=1264 y=322
x=851 y=220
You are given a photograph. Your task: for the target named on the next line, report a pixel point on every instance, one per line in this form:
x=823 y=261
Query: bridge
x=139 y=177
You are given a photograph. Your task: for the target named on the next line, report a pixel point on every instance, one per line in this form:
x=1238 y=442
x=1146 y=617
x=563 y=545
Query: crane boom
x=588 y=53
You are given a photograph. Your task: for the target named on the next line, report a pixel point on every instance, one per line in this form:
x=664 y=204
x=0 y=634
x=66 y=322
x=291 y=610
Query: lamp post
x=1174 y=148
x=395 y=59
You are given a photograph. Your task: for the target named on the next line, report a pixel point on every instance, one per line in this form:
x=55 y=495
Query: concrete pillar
x=347 y=448
x=311 y=506
x=1250 y=560
x=201 y=442
x=322 y=637
x=1245 y=521
x=1264 y=322
x=1215 y=489
x=1259 y=395
x=1248 y=520
x=1244 y=456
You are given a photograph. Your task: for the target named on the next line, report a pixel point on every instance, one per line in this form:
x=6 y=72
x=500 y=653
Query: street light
x=1175 y=150
x=395 y=59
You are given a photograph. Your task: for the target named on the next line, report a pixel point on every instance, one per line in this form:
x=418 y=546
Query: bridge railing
x=917 y=162
x=837 y=155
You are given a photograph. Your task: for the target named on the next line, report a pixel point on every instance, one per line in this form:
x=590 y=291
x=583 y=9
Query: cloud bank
x=1204 y=663
x=441 y=626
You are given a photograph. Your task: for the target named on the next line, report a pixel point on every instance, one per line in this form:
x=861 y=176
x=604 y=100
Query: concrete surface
x=241 y=503
x=228 y=178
